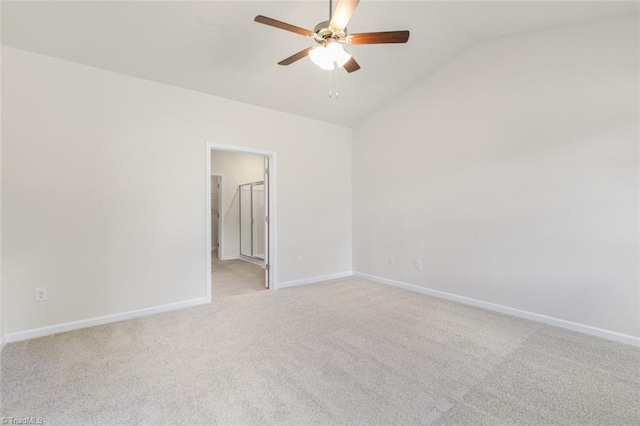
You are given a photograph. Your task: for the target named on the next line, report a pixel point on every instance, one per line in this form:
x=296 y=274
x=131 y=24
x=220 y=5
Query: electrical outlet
x=41 y=294
x=418 y=264
x=392 y=260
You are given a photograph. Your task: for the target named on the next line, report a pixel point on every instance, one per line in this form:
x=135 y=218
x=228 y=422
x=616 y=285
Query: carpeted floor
x=342 y=352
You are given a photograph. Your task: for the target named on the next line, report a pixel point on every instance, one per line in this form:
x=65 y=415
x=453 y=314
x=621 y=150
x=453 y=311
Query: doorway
x=244 y=218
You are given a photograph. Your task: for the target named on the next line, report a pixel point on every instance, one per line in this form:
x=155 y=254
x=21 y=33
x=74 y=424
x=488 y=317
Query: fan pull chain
x=337 y=90
x=330 y=84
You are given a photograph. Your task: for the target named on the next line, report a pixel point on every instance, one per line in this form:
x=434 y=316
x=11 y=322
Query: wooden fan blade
x=283 y=25
x=378 y=38
x=291 y=59
x=342 y=13
x=351 y=65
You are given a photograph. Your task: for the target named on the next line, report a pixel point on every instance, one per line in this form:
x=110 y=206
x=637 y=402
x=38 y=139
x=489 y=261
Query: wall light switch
x=392 y=260
x=418 y=264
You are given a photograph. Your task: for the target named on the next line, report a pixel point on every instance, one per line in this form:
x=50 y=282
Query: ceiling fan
x=329 y=35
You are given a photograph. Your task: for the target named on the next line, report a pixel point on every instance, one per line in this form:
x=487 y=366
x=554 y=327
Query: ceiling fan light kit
x=329 y=57
x=330 y=35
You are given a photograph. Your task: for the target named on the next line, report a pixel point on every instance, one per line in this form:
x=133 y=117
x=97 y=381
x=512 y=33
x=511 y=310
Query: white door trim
x=272 y=213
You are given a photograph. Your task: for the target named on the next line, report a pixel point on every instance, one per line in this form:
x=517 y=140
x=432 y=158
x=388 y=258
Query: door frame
x=271 y=212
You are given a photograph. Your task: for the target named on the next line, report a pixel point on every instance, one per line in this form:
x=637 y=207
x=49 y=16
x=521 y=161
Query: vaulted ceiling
x=215 y=47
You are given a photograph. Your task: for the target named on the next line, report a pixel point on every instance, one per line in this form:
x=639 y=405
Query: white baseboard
x=313 y=280
x=569 y=325
x=250 y=260
x=231 y=257
x=75 y=325
x=2 y=342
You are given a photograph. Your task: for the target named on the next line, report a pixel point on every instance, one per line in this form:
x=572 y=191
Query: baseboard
x=91 y=322
x=232 y=257
x=573 y=326
x=250 y=260
x=2 y=342
x=313 y=280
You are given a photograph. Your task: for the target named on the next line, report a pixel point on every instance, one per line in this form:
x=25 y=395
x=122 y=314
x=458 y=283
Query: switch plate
x=418 y=264
x=392 y=260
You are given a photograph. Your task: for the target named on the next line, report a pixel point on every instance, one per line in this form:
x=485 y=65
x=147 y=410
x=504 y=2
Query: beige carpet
x=342 y=352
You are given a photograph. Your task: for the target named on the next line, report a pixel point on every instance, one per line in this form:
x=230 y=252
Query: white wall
x=237 y=169
x=104 y=189
x=512 y=173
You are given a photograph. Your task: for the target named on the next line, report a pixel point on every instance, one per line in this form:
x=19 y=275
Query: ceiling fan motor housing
x=324 y=33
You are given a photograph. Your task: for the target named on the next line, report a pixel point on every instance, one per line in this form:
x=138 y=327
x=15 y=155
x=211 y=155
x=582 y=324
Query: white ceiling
x=215 y=47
